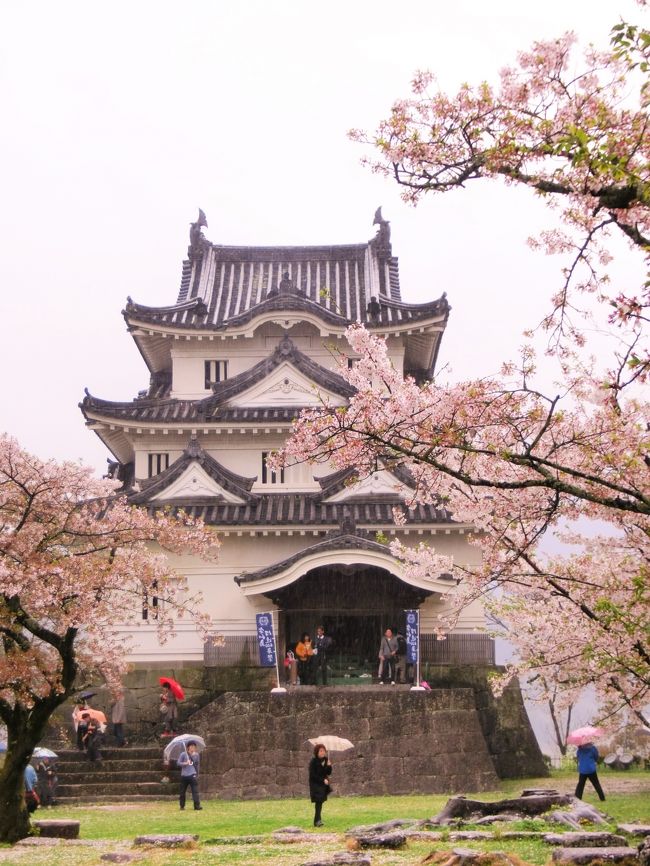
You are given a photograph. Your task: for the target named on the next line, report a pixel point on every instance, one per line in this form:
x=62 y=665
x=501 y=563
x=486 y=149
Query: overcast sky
x=120 y=120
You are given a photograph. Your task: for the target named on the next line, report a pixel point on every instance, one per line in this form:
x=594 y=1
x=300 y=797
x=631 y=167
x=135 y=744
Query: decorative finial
x=382 y=238
x=197 y=241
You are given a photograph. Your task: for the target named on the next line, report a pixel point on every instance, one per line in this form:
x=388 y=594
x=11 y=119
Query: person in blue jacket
x=587 y=756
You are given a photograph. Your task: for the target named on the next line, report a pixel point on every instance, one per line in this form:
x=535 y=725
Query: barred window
x=150 y=603
x=215 y=371
x=270 y=476
x=158 y=463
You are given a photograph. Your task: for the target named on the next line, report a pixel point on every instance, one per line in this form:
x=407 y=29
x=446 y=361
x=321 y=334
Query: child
x=189 y=764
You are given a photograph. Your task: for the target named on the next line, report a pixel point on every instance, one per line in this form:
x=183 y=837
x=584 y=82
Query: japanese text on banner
x=412 y=635
x=266 y=639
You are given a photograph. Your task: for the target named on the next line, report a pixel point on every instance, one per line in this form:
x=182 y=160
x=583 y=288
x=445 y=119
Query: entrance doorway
x=355 y=605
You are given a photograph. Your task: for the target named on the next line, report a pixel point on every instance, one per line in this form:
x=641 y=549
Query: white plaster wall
x=188 y=356
x=233 y=613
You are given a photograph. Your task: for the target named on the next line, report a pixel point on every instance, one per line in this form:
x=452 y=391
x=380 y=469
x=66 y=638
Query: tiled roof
x=343 y=478
x=227 y=286
x=230 y=481
x=167 y=410
x=304 y=509
x=285 y=352
x=338 y=541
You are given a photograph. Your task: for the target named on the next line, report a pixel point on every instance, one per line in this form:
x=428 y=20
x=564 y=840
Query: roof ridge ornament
x=286 y=346
x=198 y=242
x=193 y=447
x=285 y=287
x=382 y=239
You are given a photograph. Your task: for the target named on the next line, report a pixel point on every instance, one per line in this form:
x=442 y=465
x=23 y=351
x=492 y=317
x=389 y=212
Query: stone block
x=60 y=829
x=174 y=840
x=584 y=856
x=585 y=840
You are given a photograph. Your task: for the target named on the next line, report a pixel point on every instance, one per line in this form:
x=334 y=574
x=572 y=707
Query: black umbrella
x=86 y=695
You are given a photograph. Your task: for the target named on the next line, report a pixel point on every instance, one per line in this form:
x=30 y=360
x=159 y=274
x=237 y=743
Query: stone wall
x=405 y=742
x=504 y=720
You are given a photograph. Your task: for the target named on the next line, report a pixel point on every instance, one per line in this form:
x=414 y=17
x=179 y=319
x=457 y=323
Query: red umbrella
x=176 y=688
x=584 y=735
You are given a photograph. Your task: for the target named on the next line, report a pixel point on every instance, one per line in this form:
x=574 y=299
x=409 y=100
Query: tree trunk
x=14 y=818
x=25 y=727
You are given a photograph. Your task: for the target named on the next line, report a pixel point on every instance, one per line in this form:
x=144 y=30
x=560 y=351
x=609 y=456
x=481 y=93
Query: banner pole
x=278 y=689
x=416 y=687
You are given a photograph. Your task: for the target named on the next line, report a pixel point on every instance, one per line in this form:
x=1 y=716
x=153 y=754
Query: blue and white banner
x=266 y=639
x=412 y=635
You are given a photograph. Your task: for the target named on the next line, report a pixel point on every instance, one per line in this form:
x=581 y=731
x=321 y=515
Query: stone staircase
x=129 y=773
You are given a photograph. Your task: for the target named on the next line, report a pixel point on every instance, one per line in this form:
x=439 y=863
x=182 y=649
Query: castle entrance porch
x=355 y=603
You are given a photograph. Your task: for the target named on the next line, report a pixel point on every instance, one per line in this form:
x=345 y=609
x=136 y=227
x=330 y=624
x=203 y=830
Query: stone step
x=134 y=766
x=119 y=798
x=150 y=753
x=95 y=776
x=102 y=790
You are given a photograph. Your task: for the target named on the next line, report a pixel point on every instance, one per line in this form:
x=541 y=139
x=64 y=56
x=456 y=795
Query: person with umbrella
x=172 y=692
x=320 y=769
x=587 y=756
x=189 y=761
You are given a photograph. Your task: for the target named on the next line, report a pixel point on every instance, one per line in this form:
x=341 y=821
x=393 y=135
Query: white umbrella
x=41 y=752
x=332 y=743
x=179 y=744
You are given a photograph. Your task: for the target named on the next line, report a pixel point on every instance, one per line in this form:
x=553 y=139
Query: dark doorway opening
x=355 y=604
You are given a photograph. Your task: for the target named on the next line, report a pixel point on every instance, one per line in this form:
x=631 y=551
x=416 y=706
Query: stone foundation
x=504 y=721
x=405 y=742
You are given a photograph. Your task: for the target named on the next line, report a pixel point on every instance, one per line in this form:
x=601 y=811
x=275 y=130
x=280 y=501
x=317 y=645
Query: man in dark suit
x=321 y=647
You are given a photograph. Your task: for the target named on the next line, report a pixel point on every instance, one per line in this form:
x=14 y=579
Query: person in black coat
x=320 y=768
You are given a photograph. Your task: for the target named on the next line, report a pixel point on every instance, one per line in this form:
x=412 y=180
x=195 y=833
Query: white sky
x=120 y=119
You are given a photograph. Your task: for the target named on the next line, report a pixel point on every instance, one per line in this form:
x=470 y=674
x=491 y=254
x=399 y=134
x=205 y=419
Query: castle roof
x=226 y=287
x=307 y=509
x=161 y=408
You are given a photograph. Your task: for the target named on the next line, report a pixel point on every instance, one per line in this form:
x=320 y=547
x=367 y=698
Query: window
x=150 y=603
x=270 y=476
x=215 y=371
x=158 y=463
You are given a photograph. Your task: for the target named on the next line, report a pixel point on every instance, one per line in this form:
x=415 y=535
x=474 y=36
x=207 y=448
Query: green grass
x=221 y=820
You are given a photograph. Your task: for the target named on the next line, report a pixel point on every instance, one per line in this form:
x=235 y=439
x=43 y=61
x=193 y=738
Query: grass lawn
x=113 y=827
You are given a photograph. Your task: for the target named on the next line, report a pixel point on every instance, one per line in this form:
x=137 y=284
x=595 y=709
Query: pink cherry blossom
x=76 y=561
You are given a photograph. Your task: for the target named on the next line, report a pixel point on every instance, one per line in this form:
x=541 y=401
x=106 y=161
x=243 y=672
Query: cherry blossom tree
x=577 y=137
x=76 y=562
x=502 y=456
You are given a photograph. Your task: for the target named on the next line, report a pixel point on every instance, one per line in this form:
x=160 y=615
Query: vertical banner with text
x=412 y=635
x=266 y=639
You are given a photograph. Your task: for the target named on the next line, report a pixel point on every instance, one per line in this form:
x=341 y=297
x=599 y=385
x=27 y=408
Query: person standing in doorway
x=189 y=761
x=320 y=769
x=387 y=653
x=587 y=756
x=305 y=655
x=321 y=647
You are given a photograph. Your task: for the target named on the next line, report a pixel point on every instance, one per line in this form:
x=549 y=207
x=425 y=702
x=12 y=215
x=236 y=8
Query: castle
x=256 y=335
